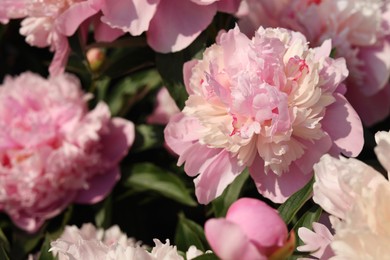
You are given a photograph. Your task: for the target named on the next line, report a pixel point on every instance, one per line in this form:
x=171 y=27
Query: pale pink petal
x=184 y=25
x=374 y=109
x=215 y=175
x=376 y=67
x=131 y=16
x=73 y=17
x=317 y=241
x=343 y=125
x=105 y=33
x=278 y=188
x=229 y=242
x=187 y=73
x=61 y=54
x=382 y=150
x=181 y=132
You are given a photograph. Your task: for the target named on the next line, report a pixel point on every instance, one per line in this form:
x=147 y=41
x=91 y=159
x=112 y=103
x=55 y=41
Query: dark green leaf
x=132 y=89
x=44 y=253
x=170 y=66
x=230 y=195
x=209 y=256
x=289 y=209
x=4 y=244
x=189 y=233
x=147 y=137
x=104 y=214
x=310 y=216
x=3 y=253
x=148 y=177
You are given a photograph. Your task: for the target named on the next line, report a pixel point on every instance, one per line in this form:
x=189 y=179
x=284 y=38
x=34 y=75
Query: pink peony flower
x=44 y=22
x=269 y=103
x=360 y=32
x=251 y=230
x=165 y=108
x=170 y=25
x=53 y=150
x=360 y=218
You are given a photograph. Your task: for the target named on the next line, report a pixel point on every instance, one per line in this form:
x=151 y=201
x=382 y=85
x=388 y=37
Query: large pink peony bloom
x=356 y=196
x=170 y=25
x=269 y=103
x=53 y=150
x=360 y=32
x=251 y=230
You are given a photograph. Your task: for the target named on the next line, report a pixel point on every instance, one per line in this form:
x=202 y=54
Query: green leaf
x=289 y=209
x=310 y=216
x=4 y=244
x=104 y=214
x=132 y=89
x=44 y=253
x=147 y=137
x=189 y=233
x=148 y=177
x=3 y=253
x=208 y=256
x=170 y=66
x=230 y=195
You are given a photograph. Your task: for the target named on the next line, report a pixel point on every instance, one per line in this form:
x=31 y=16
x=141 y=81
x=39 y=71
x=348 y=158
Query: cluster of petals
x=269 y=103
x=46 y=24
x=53 y=150
x=165 y=108
x=360 y=32
x=250 y=230
x=111 y=244
x=356 y=196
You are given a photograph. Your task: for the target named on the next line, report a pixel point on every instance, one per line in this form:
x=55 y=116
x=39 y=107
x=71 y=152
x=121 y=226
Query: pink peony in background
x=359 y=30
x=170 y=25
x=356 y=196
x=269 y=103
x=53 y=150
x=251 y=230
x=165 y=108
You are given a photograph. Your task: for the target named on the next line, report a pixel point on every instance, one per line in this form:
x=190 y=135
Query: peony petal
x=104 y=33
x=317 y=241
x=278 y=188
x=382 y=150
x=99 y=187
x=251 y=214
x=61 y=54
x=228 y=6
x=376 y=67
x=131 y=16
x=215 y=175
x=118 y=140
x=374 y=109
x=73 y=17
x=343 y=125
x=229 y=242
x=184 y=26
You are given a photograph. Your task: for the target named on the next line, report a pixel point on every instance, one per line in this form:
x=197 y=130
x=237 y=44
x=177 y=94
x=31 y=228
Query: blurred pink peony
x=165 y=108
x=357 y=197
x=53 y=150
x=269 y=103
x=45 y=21
x=170 y=25
x=251 y=230
x=360 y=32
